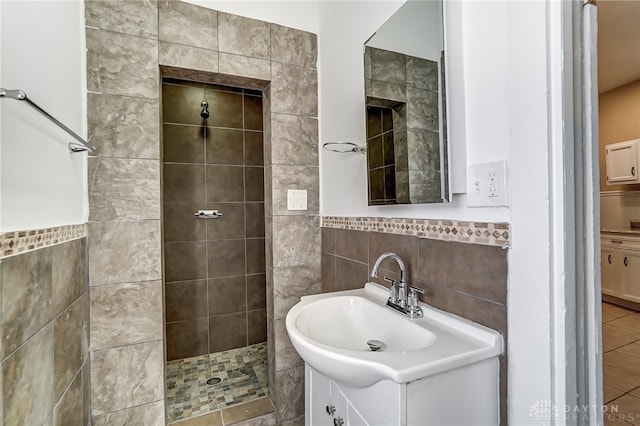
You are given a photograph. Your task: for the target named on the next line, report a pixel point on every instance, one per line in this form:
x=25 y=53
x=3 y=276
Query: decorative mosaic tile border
x=485 y=233
x=12 y=243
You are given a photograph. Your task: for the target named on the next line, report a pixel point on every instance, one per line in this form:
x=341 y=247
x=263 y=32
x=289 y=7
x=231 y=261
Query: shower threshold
x=243 y=377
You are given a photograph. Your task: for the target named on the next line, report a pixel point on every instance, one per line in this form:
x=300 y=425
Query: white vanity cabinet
x=333 y=404
x=622 y=162
x=620 y=264
x=463 y=396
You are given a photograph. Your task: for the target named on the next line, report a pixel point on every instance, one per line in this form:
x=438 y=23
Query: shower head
x=204 y=113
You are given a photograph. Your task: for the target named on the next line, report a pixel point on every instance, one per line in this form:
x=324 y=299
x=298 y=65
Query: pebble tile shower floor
x=244 y=377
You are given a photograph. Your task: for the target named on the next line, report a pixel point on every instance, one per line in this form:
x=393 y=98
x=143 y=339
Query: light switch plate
x=296 y=199
x=487 y=184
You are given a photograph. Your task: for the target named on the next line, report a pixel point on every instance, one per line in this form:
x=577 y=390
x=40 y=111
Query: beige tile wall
x=128 y=43
x=44 y=336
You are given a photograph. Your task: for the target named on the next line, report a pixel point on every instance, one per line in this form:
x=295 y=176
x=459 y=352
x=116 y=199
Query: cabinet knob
x=626 y=262
x=338 y=421
x=330 y=409
x=633 y=171
x=609 y=259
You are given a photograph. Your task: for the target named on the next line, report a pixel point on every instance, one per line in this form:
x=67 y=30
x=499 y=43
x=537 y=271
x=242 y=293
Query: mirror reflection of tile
x=403 y=135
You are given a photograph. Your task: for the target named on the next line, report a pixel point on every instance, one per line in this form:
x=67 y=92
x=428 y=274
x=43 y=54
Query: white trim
x=562 y=200
x=589 y=315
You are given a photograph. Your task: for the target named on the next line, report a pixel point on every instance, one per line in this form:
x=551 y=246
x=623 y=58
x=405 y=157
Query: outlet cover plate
x=487 y=184
x=296 y=199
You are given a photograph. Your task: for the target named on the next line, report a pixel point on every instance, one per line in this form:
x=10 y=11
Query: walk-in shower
x=214 y=247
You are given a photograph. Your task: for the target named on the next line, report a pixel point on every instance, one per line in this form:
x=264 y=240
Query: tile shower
x=130 y=46
x=215 y=286
x=214 y=268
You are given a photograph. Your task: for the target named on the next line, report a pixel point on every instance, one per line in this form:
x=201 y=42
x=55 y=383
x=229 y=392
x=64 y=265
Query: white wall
x=300 y=14
x=533 y=90
x=618 y=208
x=42 y=53
x=1 y=121
x=343 y=29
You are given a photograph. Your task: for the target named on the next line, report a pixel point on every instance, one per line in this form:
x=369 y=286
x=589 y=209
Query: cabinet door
x=622 y=162
x=630 y=267
x=609 y=261
x=319 y=399
x=346 y=414
x=354 y=418
x=340 y=402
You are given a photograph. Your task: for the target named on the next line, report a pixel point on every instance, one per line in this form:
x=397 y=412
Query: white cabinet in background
x=622 y=162
x=609 y=267
x=620 y=265
x=631 y=274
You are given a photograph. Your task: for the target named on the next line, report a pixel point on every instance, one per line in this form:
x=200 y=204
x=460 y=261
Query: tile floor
x=244 y=377
x=257 y=412
x=621 y=364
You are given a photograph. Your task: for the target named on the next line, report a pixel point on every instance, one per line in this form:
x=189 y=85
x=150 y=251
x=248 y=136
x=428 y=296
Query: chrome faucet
x=398 y=299
x=397 y=293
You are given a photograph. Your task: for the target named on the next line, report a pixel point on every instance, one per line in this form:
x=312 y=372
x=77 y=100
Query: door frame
x=577 y=316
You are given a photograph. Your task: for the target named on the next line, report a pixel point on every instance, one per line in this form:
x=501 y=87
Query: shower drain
x=213 y=381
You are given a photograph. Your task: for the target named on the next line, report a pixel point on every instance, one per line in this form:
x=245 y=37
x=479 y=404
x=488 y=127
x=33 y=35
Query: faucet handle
x=413 y=290
x=390 y=280
x=393 y=290
x=415 y=311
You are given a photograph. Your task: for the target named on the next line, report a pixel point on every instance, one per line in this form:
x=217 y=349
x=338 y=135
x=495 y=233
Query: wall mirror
x=407 y=155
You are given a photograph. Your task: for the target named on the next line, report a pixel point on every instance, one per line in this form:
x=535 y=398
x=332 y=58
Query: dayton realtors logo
x=545 y=411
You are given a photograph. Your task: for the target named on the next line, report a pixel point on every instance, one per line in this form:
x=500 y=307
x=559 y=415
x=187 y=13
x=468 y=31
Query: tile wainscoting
x=12 y=243
x=45 y=326
x=485 y=233
x=467 y=278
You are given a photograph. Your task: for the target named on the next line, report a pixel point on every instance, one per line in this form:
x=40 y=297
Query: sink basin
x=331 y=333
x=349 y=322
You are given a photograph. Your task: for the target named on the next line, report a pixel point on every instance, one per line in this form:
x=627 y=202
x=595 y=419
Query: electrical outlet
x=493 y=183
x=487 y=184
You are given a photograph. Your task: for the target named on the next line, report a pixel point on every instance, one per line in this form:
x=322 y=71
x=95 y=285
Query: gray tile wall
x=125 y=269
x=469 y=280
x=381 y=156
x=126 y=50
x=215 y=291
x=44 y=334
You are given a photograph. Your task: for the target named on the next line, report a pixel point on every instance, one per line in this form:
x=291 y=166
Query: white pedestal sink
x=436 y=370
